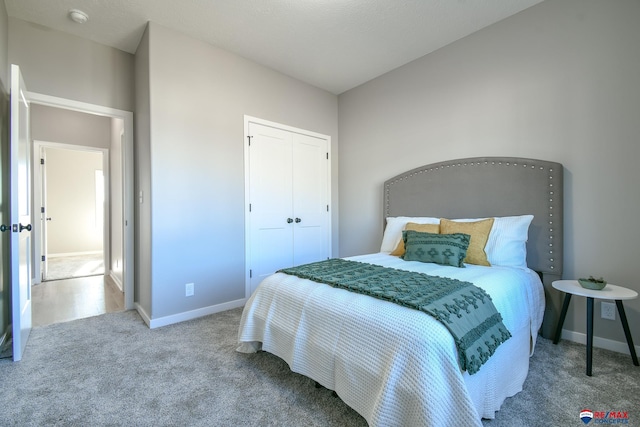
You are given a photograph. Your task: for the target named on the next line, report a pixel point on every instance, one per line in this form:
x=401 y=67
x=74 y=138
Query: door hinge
x=250 y=273
x=42 y=209
x=327 y=156
x=327 y=208
x=42 y=161
x=249 y=207
x=43 y=257
x=249 y=138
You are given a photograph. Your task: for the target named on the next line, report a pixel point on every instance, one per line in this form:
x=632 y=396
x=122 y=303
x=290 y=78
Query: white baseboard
x=143 y=314
x=4 y=338
x=581 y=338
x=188 y=315
x=116 y=280
x=74 y=254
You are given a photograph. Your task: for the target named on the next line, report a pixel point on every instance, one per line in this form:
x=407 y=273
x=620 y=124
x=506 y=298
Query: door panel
x=310 y=199
x=20 y=214
x=270 y=197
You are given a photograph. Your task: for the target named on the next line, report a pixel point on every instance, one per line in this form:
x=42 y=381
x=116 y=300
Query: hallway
x=63 y=300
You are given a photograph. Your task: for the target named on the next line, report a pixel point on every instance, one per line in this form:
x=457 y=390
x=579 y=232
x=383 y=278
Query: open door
x=20 y=214
x=44 y=216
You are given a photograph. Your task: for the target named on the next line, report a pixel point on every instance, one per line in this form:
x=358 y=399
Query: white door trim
x=39 y=193
x=247 y=192
x=127 y=172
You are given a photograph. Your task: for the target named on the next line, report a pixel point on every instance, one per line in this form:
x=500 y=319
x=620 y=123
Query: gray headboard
x=488 y=187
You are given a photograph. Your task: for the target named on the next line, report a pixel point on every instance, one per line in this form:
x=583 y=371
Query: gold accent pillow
x=479 y=232
x=423 y=228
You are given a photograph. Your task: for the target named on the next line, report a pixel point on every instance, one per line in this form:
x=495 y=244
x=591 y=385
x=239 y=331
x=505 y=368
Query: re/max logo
x=609 y=417
x=611 y=414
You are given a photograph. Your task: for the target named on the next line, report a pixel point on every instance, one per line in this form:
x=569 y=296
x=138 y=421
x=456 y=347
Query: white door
x=271 y=206
x=20 y=214
x=44 y=215
x=288 y=189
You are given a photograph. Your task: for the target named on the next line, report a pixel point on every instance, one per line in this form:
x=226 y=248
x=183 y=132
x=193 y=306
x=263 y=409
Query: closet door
x=271 y=204
x=288 y=195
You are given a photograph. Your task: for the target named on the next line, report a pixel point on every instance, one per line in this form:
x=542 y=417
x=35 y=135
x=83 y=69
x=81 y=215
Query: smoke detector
x=78 y=16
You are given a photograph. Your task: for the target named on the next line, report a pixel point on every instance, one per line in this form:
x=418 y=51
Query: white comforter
x=394 y=365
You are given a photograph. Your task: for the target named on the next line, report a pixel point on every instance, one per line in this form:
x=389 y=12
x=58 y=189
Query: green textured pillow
x=444 y=249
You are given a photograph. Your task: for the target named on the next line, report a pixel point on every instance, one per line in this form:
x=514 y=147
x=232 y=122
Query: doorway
x=78 y=230
x=74 y=210
x=118 y=243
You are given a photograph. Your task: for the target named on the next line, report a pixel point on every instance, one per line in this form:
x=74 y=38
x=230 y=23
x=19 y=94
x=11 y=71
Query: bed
x=399 y=366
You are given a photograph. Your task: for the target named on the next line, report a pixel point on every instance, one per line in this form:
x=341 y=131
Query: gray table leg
x=563 y=314
x=627 y=332
x=589 y=334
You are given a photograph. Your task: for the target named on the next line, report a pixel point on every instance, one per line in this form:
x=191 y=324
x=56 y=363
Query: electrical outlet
x=189 y=289
x=608 y=310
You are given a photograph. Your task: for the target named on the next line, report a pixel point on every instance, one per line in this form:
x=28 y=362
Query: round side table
x=609 y=292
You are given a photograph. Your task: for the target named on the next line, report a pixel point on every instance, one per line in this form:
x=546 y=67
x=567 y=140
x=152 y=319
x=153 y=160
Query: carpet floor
x=113 y=370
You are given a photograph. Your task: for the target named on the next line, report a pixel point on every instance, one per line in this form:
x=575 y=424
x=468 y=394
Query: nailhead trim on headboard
x=551 y=228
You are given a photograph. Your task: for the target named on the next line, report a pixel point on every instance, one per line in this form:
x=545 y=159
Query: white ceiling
x=332 y=44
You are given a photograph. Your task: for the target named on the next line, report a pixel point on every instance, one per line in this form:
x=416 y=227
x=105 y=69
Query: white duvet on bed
x=395 y=365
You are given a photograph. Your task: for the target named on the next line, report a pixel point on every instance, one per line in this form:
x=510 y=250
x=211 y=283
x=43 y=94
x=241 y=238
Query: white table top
x=610 y=291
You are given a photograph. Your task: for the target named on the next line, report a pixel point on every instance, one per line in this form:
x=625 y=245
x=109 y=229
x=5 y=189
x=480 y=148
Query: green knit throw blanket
x=463 y=308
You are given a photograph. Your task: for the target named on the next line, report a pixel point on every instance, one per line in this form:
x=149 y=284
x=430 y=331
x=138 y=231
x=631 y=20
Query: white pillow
x=507 y=242
x=506 y=245
x=395 y=225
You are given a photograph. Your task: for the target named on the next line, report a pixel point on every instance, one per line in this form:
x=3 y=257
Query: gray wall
x=4 y=46
x=4 y=172
x=51 y=124
x=558 y=81
x=66 y=66
x=198 y=96
x=142 y=126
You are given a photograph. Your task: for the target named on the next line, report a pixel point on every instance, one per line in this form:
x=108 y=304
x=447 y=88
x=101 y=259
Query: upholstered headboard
x=489 y=187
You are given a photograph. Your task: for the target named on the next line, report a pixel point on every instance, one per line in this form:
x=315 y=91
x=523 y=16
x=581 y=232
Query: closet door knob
x=4 y=228
x=298 y=220
x=289 y=220
x=25 y=227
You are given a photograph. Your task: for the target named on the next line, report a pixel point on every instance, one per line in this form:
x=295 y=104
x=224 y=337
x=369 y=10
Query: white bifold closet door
x=289 y=200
